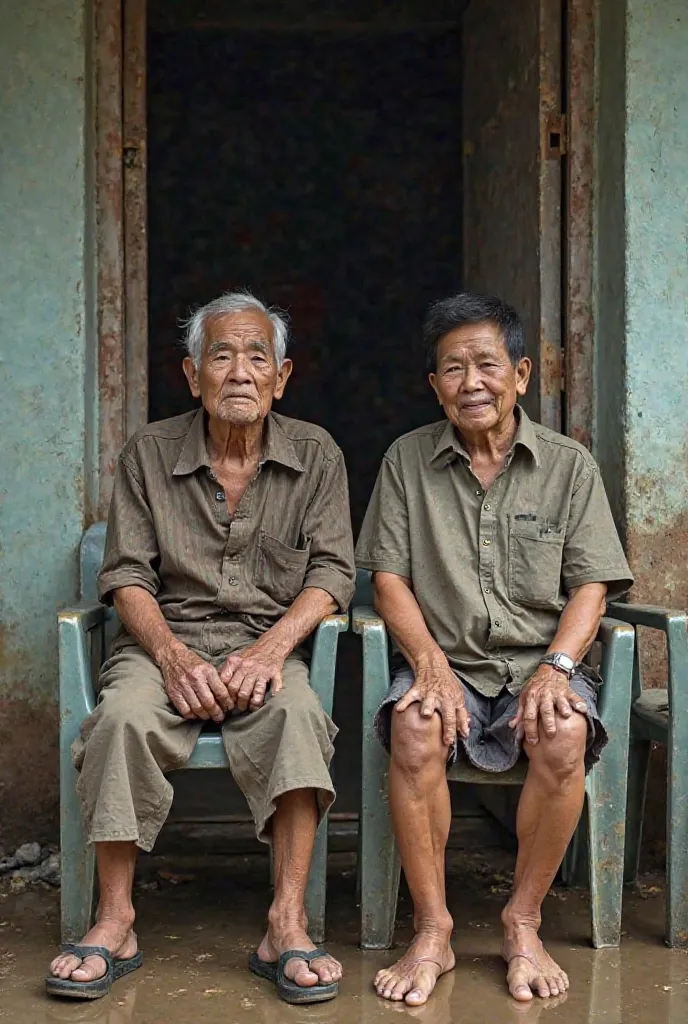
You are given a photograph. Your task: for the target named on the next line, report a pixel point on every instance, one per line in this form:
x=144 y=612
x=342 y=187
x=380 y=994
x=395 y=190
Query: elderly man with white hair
x=229 y=540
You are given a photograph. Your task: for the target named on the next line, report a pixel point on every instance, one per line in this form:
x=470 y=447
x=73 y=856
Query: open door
x=513 y=145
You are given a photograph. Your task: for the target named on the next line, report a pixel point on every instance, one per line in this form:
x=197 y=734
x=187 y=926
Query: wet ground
x=198 y=921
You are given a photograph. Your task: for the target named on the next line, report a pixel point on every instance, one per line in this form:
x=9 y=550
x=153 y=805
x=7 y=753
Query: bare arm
x=435 y=685
x=191 y=684
x=547 y=691
x=248 y=673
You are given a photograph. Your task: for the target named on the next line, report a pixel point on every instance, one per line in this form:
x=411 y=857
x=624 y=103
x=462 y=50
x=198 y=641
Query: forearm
x=306 y=613
x=580 y=621
x=396 y=603
x=140 y=613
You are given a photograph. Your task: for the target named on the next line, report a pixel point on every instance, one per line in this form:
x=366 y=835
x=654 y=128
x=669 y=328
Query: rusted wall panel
x=512 y=234
x=110 y=242
x=579 y=306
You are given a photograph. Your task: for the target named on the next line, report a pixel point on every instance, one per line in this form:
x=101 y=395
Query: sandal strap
x=85 y=951
x=300 y=954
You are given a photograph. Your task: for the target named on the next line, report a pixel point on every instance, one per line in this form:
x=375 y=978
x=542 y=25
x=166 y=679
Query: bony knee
x=416 y=740
x=564 y=754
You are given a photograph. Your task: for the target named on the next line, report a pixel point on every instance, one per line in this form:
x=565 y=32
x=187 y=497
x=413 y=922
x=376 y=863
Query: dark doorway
x=322 y=170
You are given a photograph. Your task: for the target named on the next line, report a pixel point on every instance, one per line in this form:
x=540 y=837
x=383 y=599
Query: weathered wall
x=44 y=321
x=642 y=220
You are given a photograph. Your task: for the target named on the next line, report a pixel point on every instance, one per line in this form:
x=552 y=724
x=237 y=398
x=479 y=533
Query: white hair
x=234 y=302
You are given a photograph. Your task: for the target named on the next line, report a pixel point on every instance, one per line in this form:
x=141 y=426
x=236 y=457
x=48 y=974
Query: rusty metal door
x=122 y=251
x=514 y=139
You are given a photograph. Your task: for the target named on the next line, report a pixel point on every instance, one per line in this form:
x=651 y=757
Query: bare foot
x=117 y=937
x=530 y=967
x=282 y=936
x=414 y=977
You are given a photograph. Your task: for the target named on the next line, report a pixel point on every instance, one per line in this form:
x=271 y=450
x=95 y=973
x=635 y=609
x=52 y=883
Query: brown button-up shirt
x=170 y=531
x=491 y=570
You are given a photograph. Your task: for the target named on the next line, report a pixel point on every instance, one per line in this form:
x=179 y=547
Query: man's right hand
x=193 y=685
x=437 y=689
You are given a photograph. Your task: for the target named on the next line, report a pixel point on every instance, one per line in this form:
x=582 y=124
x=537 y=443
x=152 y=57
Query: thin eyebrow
x=254 y=346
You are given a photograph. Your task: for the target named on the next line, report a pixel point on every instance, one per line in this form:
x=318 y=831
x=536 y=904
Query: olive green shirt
x=171 y=533
x=491 y=570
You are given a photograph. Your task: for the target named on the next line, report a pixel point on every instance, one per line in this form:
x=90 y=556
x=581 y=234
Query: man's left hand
x=546 y=694
x=248 y=674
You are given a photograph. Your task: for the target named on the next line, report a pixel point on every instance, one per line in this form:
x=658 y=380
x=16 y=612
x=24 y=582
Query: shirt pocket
x=536 y=549
x=281 y=569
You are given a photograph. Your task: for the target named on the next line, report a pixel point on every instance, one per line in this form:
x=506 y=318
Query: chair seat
x=209 y=752
x=463 y=772
x=650 y=715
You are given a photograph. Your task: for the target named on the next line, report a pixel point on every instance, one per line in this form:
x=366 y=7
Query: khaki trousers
x=135 y=736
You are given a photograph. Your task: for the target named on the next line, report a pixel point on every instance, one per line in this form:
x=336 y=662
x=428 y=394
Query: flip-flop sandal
x=288 y=990
x=99 y=987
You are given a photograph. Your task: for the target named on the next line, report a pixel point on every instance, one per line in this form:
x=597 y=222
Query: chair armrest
x=647 y=615
x=618 y=651
x=364 y=617
x=77 y=697
x=324 y=660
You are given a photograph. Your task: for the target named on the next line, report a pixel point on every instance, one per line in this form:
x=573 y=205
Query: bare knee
x=416 y=741
x=562 y=756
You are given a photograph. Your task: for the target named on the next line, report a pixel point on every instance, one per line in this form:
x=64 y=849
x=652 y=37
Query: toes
x=542 y=987
x=520 y=987
x=300 y=973
x=416 y=997
x=327 y=969
x=400 y=989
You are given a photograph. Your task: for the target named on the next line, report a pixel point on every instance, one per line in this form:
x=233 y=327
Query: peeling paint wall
x=45 y=323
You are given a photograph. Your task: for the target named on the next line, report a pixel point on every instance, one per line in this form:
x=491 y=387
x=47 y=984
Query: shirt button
x=478 y=494
x=486 y=543
x=487 y=590
x=233 y=581
x=487 y=507
x=219 y=496
x=497 y=622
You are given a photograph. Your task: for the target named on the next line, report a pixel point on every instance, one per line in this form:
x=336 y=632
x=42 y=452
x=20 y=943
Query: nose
x=239 y=371
x=471 y=379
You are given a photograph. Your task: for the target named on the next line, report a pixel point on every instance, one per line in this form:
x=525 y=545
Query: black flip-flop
x=288 y=990
x=99 y=987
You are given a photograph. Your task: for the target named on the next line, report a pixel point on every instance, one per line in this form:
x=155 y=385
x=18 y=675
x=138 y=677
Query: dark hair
x=469 y=308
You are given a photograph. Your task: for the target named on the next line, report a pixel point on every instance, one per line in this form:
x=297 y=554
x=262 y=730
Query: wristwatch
x=561 y=662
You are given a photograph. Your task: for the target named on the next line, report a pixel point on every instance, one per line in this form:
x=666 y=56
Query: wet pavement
x=199 y=920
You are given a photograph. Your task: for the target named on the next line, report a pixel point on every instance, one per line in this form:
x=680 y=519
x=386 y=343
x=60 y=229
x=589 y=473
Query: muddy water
x=199 y=921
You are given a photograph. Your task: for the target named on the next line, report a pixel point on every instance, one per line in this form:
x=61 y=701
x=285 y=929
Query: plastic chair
x=379 y=863
x=661 y=716
x=83 y=639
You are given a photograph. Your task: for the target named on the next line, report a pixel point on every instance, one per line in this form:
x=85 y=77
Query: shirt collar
x=194 y=453
x=449 y=444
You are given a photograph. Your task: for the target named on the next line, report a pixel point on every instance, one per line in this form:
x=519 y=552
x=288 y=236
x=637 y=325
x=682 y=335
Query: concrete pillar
x=47 y=350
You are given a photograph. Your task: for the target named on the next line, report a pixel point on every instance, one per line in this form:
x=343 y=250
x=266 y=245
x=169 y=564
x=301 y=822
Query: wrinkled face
x=475 y=382
x=238 y=377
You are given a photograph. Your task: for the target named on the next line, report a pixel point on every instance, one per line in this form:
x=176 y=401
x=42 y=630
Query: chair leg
x=606 y=827
x=677 y=791
x=316 y=890
x=380 y=866
x=638 y=765
x=78 y=867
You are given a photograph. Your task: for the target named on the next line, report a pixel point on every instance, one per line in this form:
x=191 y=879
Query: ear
x=191 y=374
x=432 y=377
x=523 y=371
x=283 y=375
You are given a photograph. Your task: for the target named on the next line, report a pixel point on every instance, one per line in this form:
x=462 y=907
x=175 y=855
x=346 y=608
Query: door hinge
x=555 y=140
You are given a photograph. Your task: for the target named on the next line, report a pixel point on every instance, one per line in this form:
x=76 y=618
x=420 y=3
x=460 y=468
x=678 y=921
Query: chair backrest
x=90 y=560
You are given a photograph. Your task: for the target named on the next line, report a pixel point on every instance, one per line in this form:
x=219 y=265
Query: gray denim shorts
x=491 y=744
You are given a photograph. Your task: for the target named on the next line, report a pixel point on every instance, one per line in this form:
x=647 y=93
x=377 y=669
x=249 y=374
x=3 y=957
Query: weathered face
x=475 y=382
x=238 y=377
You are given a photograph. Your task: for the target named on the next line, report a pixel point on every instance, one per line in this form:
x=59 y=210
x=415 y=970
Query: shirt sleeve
x=383 y=544
x=592 y=549
x=131 y=548
x=328 y=526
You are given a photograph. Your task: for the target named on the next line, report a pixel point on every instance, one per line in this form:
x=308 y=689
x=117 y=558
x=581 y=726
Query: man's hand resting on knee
x=193 y=685
x=437 y=689
x=247 y=674
x=546 y=695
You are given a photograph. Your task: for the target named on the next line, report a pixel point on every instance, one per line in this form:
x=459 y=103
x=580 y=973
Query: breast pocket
x=281 y=569
x=535 y=553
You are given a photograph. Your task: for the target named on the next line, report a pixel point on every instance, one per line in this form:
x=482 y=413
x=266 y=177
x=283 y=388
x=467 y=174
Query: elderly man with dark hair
x=229 y=540
x=493 y=551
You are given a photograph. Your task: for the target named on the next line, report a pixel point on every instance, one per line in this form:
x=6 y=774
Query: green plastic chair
x=661 y=716
x=379 y=864
x=83 y=638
